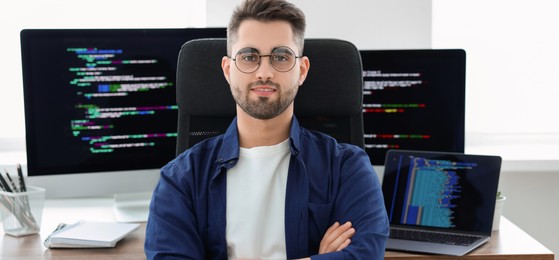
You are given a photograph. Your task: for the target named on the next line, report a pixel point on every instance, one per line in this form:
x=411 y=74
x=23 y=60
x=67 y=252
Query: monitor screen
x=414 y=100
x=101 y=100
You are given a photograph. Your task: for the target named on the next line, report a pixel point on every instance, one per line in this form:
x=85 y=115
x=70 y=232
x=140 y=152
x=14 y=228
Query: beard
x=263 y=108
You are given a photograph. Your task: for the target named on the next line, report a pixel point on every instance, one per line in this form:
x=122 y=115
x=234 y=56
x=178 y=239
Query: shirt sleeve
x=171 y=232
x=360 y=200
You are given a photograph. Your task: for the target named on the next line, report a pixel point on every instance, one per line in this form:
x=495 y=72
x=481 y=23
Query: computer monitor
x=100 y=108
x=413 y=100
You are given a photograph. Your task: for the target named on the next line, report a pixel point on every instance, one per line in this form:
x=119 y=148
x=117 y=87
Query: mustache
x=261 y=83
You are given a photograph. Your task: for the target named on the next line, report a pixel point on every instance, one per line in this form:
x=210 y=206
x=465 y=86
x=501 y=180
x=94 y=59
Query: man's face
x=266 y=92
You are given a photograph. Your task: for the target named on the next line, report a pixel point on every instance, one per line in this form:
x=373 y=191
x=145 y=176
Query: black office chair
x=329 y=101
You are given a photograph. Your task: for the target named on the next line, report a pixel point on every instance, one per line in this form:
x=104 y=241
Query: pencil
x=21 y=179
x=5 y=184
x=14 y=187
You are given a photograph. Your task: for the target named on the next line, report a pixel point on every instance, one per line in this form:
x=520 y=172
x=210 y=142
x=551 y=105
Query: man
x=267 y=188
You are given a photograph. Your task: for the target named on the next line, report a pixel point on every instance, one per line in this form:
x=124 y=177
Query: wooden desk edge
x=510 y=242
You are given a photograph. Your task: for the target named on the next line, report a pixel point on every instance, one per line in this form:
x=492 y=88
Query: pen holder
x=22 y=211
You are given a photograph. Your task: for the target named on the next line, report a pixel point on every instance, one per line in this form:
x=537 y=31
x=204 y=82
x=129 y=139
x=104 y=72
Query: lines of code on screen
x=102 y=100
x=115 y=108
x=431 y=192
x=413 y=99
x=440 y=189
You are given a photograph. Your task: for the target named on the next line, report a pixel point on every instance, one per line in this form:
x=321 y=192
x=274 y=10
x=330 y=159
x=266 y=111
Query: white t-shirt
x=256 y=203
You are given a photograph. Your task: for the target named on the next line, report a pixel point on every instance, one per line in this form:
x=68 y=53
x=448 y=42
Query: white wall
x=378 y=24
x=512 y=61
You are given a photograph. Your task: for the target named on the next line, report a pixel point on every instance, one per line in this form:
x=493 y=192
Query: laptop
x=439 y=202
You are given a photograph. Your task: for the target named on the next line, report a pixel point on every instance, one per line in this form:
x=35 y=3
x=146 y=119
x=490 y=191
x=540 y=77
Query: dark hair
x=267 y=11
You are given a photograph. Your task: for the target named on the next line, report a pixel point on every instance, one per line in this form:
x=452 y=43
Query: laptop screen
x=441 y=190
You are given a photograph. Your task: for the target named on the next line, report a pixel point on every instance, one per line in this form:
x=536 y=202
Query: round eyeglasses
x=248 y=59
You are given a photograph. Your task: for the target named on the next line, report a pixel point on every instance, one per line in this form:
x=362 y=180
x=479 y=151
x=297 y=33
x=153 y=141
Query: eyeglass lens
x=248 y=59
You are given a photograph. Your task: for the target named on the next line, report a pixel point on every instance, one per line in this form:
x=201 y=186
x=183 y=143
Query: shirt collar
x=230 y=146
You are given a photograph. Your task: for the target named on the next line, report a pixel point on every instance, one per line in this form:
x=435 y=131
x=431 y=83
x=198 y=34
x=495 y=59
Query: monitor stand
x=131 y=207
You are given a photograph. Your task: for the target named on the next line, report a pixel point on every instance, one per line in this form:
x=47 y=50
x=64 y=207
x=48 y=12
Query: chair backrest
x=329 y=101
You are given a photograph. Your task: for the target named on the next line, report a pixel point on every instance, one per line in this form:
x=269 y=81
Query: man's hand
x=337 y=237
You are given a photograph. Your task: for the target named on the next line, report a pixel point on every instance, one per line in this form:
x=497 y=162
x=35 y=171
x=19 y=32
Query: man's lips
x=263 y=88
x=263 y=91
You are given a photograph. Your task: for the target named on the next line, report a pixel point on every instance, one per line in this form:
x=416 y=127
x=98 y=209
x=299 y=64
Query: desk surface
x=509 y=243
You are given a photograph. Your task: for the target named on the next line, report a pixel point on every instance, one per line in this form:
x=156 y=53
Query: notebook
x=86 y=234
x=439 y=202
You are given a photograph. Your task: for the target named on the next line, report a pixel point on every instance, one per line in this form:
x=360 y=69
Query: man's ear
x=226 y=67
x=304 y=66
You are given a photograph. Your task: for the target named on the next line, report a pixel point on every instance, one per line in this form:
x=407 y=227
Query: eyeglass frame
x=267 y=55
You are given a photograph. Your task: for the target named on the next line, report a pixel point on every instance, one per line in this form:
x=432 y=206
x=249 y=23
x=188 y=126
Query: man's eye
x=250 y=58
x=280 y=58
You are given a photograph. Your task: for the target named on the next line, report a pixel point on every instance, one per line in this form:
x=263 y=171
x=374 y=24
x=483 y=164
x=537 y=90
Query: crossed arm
x=337 y=237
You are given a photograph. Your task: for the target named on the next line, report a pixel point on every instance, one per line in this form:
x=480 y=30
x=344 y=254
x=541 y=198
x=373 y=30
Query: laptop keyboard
x=435 y=237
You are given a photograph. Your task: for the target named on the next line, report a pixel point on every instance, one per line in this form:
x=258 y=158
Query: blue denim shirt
x=327 y=182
